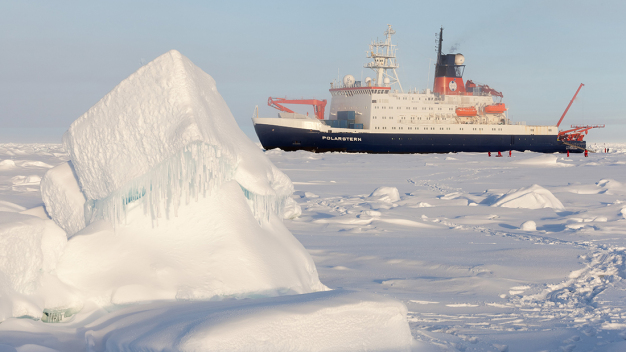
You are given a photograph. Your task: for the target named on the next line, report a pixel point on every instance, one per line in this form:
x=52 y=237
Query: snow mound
x=26 y=180
x=7 y=164
x=213 y=249
x=36 y=164
x=63 y=198
x=29 y=250
x=386 y=194
x=529 y=226
x=542 y=160
x=8 y=206
x=533 y=197
x=336 y=320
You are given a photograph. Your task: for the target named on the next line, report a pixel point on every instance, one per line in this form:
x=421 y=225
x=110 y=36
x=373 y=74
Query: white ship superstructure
x=452 y=117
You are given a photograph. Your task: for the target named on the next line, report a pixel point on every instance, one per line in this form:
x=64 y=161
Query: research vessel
x=378 y=116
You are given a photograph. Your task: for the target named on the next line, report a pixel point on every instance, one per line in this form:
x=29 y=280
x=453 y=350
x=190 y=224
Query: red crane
x=578 y=132
x=569 y=105
x=318 y=105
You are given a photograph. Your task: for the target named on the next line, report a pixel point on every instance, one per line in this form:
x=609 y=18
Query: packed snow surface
x=473 y=276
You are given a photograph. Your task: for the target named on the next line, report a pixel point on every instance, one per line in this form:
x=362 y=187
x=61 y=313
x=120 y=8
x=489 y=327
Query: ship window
x=373 y=101
x=391 y=107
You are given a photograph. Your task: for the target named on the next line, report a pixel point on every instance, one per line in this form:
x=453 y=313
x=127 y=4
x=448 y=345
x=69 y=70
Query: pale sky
x=59 y=58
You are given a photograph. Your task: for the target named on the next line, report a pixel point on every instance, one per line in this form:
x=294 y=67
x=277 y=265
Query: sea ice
x=533 y=197
x=166 y=130
x=323 y=321
x=386 y=194
x=63 y=199
x=29 y=249
x=529 y=226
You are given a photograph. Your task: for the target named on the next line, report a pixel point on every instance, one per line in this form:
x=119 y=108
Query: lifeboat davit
x=471 y=111
x=498 y=108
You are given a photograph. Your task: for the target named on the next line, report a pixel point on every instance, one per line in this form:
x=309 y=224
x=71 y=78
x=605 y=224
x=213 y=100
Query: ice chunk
x=7 y=164
x=214 y=248
x=63 y=198
x=529 y=226
x=386 y=194
x=292 y=209
x=533 y=197
x=324 y=321
x=29 y=249
x=127 y=144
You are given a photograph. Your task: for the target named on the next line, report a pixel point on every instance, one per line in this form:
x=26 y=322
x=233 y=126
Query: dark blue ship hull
x=290 y=139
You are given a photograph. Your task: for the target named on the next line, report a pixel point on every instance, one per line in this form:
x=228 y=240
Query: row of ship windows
x=403 y=98
x=417 y=128
x=433 y=128
x=412 y=118
x=407 y=108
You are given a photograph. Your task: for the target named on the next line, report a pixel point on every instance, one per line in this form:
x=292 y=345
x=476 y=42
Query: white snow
x=213 y=249
x=328 y=321
x=167 y=119
x=529 y=226
x=533 y=197
x=470 y=276
x=386 y=194
x=63 y=199
x=171 y=235
x=29 y=250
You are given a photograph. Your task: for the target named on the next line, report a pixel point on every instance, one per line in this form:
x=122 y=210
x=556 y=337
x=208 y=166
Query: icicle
x=197 y=170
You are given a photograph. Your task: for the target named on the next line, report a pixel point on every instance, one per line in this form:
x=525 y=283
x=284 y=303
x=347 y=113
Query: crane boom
x=318 y=105
x=569 y=105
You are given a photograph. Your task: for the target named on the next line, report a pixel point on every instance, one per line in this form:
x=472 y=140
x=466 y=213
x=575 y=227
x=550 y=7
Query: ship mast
x=438 y=55
x=384 y=55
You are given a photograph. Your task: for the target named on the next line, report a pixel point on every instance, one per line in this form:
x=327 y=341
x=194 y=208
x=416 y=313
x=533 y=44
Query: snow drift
x=324 y=321
x=533 y=197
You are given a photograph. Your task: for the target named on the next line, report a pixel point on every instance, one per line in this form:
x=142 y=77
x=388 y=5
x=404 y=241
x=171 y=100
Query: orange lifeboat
x=498 y=108
x=470 y=111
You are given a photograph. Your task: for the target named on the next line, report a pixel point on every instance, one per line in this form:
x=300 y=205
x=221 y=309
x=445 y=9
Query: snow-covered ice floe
x=164 y=199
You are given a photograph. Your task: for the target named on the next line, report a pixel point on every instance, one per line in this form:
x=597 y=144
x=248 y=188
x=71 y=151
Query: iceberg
x=177 y=203
x=166 y=130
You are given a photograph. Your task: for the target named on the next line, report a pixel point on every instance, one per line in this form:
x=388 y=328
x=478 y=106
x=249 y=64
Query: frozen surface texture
x=180 y=204
x=137 y=139
x=470 y=276
x=325 y=321
x=29 y=250
x=213 y=249
x=533 y=197
x=63 y=198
